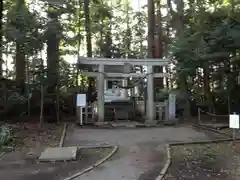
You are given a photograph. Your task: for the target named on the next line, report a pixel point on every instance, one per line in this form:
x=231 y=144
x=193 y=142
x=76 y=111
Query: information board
x=234 y=121
x=81 y=100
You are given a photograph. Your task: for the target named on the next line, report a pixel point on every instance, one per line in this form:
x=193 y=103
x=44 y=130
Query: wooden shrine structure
x=101 y=63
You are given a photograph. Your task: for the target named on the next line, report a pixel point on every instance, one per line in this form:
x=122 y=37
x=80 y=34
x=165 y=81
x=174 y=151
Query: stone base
x=172 y=122
x=59 y=154
x=101 y=123
x=126 y=124
x=169 y=123
x=123 y=124
x=151 y=123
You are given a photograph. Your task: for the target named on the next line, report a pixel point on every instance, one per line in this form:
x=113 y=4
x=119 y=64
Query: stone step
x=59 y=154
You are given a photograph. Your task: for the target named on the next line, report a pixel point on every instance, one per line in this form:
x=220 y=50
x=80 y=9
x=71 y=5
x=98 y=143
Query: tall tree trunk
x=180 y=30
x=20 y=65
x=20 y=54
x=179 y=21
x=78 y=84
x=166 y=42
x=101 y=37
x=168 y=84
x=206 y=85
x=52 y=54
x=108 y=44
x=1 y=37
x=53 y=42
x=151 y=29
x=179 y=25
x=158 y=82
x=128 y=30
x=89 y=42
x=151 y=25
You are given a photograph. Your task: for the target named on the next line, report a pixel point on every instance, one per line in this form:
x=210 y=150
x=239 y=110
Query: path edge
x=167 y=164
x=2 y=154
x=98 y=163
x=63 y=135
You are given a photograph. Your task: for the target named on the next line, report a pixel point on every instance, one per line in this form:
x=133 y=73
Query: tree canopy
x=201 y=38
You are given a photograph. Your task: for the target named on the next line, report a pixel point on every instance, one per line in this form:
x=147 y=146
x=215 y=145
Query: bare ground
x=30 y=169
x=29 y=141
x=209 y=162
x=29 y=137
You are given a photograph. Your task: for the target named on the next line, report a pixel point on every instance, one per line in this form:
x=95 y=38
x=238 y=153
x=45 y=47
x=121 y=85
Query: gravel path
x=140 y=155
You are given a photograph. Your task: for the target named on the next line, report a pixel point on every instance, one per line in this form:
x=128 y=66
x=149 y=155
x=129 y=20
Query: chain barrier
x=210 y=114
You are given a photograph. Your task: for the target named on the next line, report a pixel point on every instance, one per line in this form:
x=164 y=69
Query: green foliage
x=23 y=27
x=210 y=41
x=15 y=98
x=5 y=135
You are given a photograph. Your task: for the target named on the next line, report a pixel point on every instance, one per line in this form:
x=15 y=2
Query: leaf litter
x=215 y=161
x=29 y=141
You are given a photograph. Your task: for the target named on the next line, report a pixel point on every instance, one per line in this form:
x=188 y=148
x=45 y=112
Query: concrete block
x=59 y=154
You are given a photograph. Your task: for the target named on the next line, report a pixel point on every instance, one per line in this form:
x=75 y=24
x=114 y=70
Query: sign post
x=234 y=123
x=80 y=103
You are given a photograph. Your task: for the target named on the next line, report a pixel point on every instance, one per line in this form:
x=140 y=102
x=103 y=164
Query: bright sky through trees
x=135 y=4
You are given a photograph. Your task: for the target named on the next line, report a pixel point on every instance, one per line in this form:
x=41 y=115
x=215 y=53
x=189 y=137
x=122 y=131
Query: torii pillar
x=100 y=94
x=151 y=115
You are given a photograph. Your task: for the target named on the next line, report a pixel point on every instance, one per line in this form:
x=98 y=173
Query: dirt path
x=140 y=153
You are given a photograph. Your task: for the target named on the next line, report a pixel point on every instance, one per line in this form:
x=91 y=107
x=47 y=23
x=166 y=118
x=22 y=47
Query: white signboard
x=234 y=121
x=81 y=100
x=172 y=106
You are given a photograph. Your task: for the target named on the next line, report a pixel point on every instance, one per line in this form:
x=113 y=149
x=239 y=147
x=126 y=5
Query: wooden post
x=213 y=116
x=80 y=115
x=160 y=113
x=29 y=102
x=92 y=108
x=86 y=113
x=58 y=104
x=41 y=106
x=199 y=116
x=229 y=105
x=234 y=131
x=166 y=110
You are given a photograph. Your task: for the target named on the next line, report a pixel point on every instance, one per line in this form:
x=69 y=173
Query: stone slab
x=101 y=123
x=59 y=154
x=129 y=124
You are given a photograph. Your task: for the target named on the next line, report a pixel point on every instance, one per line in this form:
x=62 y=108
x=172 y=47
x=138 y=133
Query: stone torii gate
x=101 y=62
